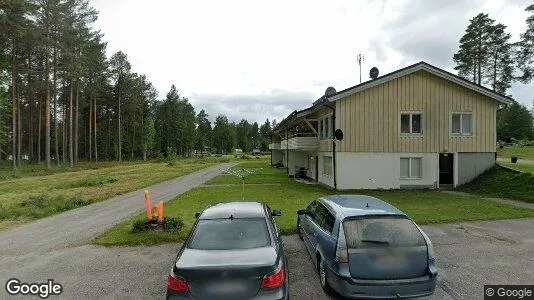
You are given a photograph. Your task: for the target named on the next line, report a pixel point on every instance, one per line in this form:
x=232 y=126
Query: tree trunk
x=495 y=72
x=90 y=130
x=76 y=126
x=14 y=105
x=71 y=150
x=144 y=151
x=30 y=118
x=64 y=134
x=19 y=129
x=40 y=125
x=56 y=142
x=47 y=87
x=120 y=145
x=96 y=145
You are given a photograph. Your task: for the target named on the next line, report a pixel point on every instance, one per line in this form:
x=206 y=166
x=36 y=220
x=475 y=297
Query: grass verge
x=527 y=168
x=32 y=197
x=500 y=182
x=424 y=206
x=520 y=152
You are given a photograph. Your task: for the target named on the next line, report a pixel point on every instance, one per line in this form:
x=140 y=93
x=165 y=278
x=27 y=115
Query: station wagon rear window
x=372 y=232
x=226 y=234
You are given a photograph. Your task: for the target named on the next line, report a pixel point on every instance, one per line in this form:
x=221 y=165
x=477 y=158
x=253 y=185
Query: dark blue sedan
x=363 y=247
x=233 y=252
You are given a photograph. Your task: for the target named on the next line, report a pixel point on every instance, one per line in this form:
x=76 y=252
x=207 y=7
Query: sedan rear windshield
x=228 y=234
x=382 y=232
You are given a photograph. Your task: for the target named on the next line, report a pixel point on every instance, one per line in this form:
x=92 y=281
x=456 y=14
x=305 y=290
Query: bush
x=140 y=226
x=170 y=224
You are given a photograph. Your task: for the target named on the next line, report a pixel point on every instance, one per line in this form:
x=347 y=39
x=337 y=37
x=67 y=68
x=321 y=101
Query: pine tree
x=500 y=65
x=525 y=51
x=471 y=56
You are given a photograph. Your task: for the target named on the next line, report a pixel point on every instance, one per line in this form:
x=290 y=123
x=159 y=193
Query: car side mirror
x=276 y=213
x=197 y=215
x=301 y=212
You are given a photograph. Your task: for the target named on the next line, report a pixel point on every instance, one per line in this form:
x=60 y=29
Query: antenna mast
x=360 y=58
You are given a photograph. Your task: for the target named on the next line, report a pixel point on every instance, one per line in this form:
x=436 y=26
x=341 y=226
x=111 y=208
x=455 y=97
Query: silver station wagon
x=363 y=247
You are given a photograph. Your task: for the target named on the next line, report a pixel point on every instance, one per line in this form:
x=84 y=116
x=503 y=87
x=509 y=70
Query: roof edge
x=418 y=67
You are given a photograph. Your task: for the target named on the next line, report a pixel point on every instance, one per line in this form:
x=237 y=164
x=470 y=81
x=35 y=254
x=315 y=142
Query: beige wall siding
x=370 y=119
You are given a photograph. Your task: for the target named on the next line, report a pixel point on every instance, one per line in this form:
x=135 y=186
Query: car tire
x=299 y=230
x=323 y=277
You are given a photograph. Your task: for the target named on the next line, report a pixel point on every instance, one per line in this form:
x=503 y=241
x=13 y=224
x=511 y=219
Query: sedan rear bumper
x=275 y=294
x=382 y=289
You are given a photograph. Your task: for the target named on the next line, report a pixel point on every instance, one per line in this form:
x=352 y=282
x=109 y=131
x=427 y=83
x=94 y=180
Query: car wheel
x=322 y=277
x=299 y=230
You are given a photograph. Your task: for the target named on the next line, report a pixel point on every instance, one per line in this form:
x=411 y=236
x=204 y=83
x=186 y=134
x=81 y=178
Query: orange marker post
x=148 y=206
x=160 y=212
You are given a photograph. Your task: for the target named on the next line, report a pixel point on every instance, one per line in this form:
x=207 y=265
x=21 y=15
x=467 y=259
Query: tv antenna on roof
x=360 y=58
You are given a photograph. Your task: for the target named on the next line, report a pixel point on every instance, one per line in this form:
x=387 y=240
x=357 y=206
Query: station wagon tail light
x=428 y=243
x=275 y=279
x=177 y=284
x=341 y=248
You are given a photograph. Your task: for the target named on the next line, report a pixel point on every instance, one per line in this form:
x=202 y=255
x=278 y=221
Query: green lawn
x=35 y=196
x=520 y=152
x=502 y=183
x=522 y=167
x=424 y=206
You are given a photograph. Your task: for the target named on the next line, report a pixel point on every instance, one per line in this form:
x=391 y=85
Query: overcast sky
x=264 y=59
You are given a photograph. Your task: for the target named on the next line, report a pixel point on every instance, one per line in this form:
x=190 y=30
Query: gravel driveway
x=469 y=255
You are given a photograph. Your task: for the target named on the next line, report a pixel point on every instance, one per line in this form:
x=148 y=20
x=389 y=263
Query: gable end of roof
x=428 y=68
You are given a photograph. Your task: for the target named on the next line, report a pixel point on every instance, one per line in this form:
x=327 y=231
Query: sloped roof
x=418 y=67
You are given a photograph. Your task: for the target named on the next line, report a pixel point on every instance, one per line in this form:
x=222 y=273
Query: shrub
x=140 y=226
x=170 y=224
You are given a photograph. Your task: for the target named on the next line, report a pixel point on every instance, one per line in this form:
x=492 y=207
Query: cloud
x=259 y=60
x=272 y=104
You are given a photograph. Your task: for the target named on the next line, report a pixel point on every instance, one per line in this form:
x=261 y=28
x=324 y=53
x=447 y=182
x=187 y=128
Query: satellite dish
x=338 y=134
x=330 y=91
x=373 y=73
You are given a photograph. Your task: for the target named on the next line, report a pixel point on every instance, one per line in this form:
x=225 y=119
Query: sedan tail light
x=275 y=279
x=177 y=284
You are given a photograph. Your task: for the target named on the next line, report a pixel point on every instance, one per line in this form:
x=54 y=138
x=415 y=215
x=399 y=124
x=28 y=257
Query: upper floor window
x=325 y=127
x=462 y=124
x=411 y=123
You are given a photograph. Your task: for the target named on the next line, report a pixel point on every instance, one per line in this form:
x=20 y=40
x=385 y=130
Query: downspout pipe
x=333 y=141
x=287 y=152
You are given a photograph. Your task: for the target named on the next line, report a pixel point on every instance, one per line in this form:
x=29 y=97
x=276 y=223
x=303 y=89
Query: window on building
x=411 y=123
x=327 y=166
x=411 y=167
x=462 y=124
x=325 y=128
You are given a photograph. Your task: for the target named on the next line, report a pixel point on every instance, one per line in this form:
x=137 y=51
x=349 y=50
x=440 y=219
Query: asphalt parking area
x=469 y=255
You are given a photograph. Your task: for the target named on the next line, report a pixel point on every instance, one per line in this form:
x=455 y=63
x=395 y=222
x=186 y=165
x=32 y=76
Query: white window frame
x=325 y=127
x=410 y=168
x=461 y=134
x=331 y=166
x=411 y=113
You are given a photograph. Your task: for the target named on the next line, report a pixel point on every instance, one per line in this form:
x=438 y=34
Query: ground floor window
x=327 y=165
x=411 y=167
